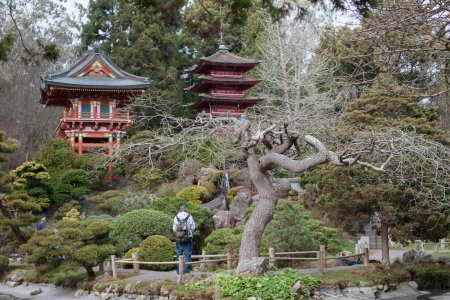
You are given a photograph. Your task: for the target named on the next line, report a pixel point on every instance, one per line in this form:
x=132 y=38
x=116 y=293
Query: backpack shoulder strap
x=178 y=219
x=188 y=216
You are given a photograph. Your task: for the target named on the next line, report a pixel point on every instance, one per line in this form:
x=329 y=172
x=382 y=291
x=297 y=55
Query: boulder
x=132 y=287
x=81 y=293
x=224 y=219
x=410 y=256
x=36 y=292
x=12 y=283
x=16 y=276
x=282 y=188
x=243 y=178
x=217 y=204
x=255 y=199
x=240 y=204
x=296 y=288
x=253 y=267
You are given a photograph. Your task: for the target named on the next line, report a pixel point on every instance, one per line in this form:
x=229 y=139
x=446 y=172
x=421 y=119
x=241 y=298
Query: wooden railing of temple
x=204 y=258
x=97 y=115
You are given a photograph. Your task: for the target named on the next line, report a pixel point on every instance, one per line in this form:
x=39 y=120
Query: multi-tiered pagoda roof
x=222 y=84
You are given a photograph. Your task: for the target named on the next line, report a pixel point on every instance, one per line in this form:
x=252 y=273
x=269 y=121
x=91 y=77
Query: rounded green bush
x=80 y=191
x=133 y=227
x=194 y=194
x=157 y=248
x=75 y=178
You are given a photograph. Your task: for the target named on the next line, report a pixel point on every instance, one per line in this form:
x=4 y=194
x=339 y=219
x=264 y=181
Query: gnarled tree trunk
x=263 y=213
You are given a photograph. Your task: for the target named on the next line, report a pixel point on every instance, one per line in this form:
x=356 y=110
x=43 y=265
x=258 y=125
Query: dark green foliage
x=75 y=244
x=293 y=228
x=224 y=240
x=61 y=212
x=351 y=196
x=268 y=286
x=430 y=275
x=157 y=248
x=76 y=178
x=133 y=227
x=55 y=156
x=80 y=191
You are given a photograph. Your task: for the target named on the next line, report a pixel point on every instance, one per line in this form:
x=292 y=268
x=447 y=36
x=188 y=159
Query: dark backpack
x=182 y=233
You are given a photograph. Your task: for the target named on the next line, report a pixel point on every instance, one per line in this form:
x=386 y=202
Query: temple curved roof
x=94 y=71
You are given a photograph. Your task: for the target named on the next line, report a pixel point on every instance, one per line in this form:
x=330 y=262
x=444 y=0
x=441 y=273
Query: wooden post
x=443 y=244
x=203 y=265
x=366 y=257
x=181 y=267
x=80 y=144
x=229 y=263
x=436 y=248
x=324 y=254
x=319 y=263
x=135 y=257
x=272 y=256
x=113 y=266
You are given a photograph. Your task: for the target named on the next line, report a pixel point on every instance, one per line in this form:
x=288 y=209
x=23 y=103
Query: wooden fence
x=442 y=245
x=205 y=258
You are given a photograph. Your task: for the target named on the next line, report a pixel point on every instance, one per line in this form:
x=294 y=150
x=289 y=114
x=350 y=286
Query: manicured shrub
x=87 y=162
x=113 y=205
x=222 y=240
x=157 y=248
x=75 y=178
x=133 y=227
x=80 y=191
x=61 y=212
x=55 y=156
x=194 y=194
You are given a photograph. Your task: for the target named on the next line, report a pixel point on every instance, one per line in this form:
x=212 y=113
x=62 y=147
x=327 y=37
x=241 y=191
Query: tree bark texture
x=90 y=272
x=385 y=244
x=263 y=213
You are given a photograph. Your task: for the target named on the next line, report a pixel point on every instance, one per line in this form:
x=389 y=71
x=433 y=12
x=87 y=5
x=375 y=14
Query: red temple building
x=222 y=84
x=92 y=90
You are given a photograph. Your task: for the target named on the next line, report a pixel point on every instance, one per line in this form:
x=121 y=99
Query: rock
x=240 y=204
x=81 y=293
x=16 y=275
x=404 y=291
x=218 y=203
x=132 y=287
x=243 y=178
x=296 y=288
x=365 y=293
x=410 y=255
x=255 y=266
x=36 y=292
x=282 y=188
x=12 y=283
x=224 y=219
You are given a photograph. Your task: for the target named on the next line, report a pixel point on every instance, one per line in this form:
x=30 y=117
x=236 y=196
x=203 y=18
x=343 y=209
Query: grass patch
x=430 y=275
x=440 y=254
x=374 y=274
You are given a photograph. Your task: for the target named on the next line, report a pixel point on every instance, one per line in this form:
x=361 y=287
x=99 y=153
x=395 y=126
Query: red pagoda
x=222 y=84
x=92 y=90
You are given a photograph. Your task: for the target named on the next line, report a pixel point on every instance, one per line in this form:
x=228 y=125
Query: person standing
x=183 y=228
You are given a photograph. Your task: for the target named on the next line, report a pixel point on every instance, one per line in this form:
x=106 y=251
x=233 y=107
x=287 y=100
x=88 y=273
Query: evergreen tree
x=354 y=196
x=141 y=37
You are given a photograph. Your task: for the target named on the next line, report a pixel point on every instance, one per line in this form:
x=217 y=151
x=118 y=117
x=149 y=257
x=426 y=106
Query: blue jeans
x=186 y=249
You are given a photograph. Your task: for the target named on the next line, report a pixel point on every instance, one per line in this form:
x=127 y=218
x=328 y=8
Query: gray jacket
x=190 y=222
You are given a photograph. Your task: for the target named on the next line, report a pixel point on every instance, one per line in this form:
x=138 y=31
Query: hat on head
x=183 y=206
